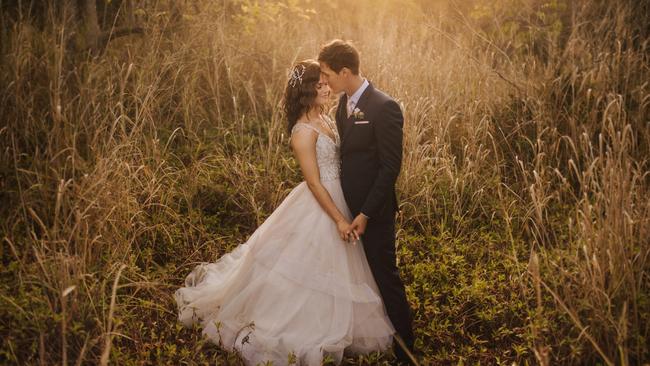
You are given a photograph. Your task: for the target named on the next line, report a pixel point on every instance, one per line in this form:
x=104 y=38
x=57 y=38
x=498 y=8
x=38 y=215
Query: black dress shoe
x=403 y=352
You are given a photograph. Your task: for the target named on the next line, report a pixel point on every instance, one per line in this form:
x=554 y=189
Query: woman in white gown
x=297 y=290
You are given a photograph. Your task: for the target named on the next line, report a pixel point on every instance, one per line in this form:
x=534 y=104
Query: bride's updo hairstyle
x=300 y=92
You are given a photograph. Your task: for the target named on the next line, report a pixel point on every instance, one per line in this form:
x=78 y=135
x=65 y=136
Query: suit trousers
x=379 y=246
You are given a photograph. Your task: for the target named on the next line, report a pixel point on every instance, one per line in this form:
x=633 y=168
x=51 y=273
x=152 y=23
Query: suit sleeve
x=389 y=135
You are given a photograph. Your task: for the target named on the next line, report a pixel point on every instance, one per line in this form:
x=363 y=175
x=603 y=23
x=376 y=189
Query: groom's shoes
x=403 y=352
x=402 y=360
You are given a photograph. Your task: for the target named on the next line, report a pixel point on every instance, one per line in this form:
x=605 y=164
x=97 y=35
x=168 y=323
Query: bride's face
x=323 y=91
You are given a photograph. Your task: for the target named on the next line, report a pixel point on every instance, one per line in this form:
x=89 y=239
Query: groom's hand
x=358 y=225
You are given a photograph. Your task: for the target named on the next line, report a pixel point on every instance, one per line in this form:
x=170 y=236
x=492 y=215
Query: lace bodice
x=327 y=151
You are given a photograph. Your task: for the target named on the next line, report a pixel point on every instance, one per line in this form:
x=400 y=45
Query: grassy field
x=524 y=233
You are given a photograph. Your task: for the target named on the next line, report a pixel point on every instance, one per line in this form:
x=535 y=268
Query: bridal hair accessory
x=295 y=75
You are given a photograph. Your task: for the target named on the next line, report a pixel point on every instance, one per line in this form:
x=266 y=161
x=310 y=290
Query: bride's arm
x=303 y=143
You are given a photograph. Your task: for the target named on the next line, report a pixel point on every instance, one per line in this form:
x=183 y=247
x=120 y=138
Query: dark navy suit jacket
x=371 y=153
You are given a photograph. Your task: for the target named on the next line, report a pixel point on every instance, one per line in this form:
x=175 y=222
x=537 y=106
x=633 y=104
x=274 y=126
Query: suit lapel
x=348 y=123
x=363 y=99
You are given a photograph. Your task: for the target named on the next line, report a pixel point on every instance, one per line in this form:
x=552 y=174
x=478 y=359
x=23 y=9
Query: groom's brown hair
x=338 y=54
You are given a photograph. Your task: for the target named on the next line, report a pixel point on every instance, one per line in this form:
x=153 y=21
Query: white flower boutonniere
x=357 y=113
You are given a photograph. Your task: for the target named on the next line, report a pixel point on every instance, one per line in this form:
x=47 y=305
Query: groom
x=370 y=124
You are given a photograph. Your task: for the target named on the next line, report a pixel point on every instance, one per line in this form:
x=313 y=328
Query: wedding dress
x=294 y=291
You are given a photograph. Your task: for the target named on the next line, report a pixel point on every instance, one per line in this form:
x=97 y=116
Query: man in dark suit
x=370 y=125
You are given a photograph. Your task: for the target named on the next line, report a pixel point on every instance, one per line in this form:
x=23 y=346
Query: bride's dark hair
x=300 y=92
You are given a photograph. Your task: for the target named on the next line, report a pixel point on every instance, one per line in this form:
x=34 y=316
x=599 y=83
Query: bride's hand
x=344 y=230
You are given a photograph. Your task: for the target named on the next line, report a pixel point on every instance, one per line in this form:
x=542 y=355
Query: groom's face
x=334 y=80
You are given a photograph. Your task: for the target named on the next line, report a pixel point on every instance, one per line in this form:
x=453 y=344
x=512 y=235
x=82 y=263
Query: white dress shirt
x=354 y=99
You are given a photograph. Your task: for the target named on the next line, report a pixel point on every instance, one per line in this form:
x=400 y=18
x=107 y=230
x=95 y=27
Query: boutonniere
x=357 y=113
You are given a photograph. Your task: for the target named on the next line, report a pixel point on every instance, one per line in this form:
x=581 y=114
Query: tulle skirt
x=294 y=291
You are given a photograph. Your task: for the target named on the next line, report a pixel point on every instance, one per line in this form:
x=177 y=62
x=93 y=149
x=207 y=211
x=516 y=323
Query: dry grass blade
x=108 y=334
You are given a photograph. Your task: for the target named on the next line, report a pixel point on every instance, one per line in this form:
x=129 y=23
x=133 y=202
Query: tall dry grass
x=121 y=170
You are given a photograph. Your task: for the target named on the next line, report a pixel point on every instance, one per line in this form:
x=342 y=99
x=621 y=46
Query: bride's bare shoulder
x=303 y=135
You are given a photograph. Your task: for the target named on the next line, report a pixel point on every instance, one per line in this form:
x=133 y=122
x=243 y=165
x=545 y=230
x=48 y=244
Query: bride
x=299 y=289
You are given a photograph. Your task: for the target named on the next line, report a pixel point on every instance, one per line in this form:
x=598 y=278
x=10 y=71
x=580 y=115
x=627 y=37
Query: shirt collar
x=357 y=94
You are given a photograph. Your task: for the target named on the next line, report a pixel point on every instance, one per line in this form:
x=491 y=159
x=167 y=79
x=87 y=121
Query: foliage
x=524 y=226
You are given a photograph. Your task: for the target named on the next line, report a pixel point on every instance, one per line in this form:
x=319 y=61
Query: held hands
x=358 y=226
x=343 y=228
x=351 y=233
